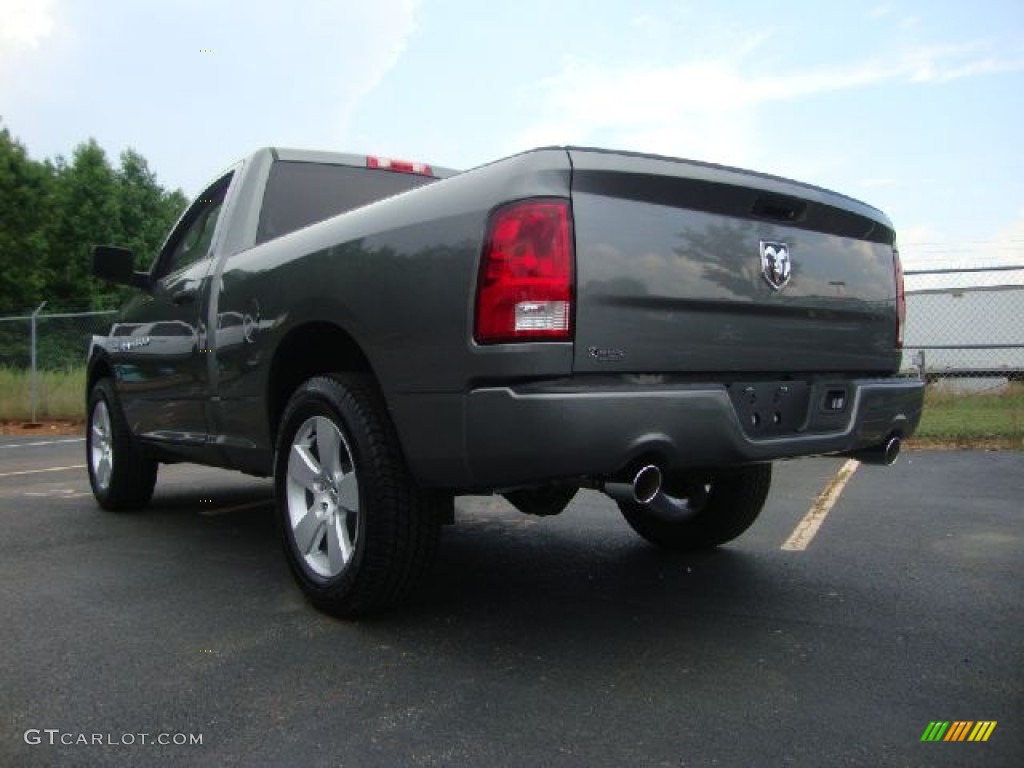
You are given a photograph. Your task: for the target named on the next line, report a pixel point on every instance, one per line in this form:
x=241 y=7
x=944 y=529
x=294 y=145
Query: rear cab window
x=302 y=193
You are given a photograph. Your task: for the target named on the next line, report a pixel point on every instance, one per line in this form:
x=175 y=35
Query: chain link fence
x=965 y=328
x=965 y=337
x=42 y=362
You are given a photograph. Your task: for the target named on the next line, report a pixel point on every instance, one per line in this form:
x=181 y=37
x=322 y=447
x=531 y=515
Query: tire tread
x=403 y=530
x=134 y=475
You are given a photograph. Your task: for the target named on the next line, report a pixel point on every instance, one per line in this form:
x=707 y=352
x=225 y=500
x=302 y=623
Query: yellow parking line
x=808 y=526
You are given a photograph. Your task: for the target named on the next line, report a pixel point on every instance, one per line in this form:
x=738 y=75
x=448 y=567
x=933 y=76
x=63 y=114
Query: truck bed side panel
x=399 y=277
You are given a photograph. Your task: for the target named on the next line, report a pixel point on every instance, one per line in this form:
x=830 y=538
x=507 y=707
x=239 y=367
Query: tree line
x=53 y=211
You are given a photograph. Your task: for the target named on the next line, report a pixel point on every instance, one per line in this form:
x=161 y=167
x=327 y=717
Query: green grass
x=60 y=395
x=993 y=415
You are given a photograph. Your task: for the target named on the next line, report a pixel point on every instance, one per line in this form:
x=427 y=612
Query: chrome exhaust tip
x=892 y=450
x=647 y=484
x=884 y=455
x=642 y=488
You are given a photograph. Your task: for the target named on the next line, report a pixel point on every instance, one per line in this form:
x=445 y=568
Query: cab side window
x=192 y=240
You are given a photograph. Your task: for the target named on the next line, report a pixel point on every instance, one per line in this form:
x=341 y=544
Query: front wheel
x=358 y=532
x=702 y=511
x=120 y=476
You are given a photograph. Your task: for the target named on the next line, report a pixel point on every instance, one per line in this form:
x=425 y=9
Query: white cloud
x=917 y=244
x=378 y=34
x=30 y=37
x=928 y=247
x=928 y=72
x=709 y=108
x=646 y=23
x=334 y=55
x=1007 y=246
x=278 y=74
x=881 y=181
x=1015 y=232
x=25 y=24
x=690 y=109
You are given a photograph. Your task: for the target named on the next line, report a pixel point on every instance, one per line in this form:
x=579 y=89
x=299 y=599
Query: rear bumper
x=524 y=435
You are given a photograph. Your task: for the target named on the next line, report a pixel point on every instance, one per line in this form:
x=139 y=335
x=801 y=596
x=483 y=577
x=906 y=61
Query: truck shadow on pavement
x=578 y=567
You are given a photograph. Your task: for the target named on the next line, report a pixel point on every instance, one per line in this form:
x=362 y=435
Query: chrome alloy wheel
x=101 y=445
x=322 y=496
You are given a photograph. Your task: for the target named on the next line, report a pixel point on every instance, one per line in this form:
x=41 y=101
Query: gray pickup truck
x=380 y=336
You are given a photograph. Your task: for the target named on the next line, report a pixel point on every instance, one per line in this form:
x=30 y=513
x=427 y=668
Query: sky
x=914 y=107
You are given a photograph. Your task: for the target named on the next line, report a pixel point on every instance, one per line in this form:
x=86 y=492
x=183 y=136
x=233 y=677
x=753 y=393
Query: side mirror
x=117 y=265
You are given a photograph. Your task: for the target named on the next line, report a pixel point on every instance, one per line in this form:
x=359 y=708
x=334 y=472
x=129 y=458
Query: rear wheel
x=121 y=477
x=358 y=532
x=702 y=511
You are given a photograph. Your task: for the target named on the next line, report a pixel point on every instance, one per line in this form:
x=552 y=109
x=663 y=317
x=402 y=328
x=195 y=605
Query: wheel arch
x=99 y=367
x=313 y=348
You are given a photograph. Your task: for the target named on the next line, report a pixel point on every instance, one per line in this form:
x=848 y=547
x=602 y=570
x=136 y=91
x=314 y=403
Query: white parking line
x=44 y=442
x=37 y=471
x=806 y=529
x=56 y=493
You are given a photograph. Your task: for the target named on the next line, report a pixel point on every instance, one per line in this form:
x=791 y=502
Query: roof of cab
x=340 y=158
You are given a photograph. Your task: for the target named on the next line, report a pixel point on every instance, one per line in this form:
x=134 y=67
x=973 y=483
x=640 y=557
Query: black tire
x=368 y=531
x=122 y=478
x=702 y=512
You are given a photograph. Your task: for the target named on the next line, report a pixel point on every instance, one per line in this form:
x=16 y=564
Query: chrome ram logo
x=775 y=264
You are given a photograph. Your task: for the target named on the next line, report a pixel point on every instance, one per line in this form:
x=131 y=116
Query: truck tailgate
x=681 y=267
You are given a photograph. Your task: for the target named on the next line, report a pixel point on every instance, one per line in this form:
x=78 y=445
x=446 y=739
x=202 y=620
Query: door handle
x=184 y=296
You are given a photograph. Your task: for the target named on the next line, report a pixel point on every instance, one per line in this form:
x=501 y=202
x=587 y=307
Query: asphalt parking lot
x=560 y=641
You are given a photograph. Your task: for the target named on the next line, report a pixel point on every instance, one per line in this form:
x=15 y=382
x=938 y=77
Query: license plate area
x=771 y=409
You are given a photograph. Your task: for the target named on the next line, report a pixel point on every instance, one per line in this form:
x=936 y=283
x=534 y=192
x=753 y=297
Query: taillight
x=901 y=298
x=402 y=166
x=525 y=291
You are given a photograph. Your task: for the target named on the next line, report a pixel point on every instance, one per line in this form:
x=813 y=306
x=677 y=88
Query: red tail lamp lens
x=526 y=274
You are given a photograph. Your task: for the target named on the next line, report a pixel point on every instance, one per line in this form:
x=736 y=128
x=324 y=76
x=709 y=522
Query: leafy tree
x=85 y=213
x=53 y=212
x=175 y=203
x=25 y=189
x=147 y=211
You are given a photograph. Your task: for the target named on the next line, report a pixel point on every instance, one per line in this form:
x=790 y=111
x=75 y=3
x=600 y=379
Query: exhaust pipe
x=642 y=488
x=884 y=454
x=645 y=488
